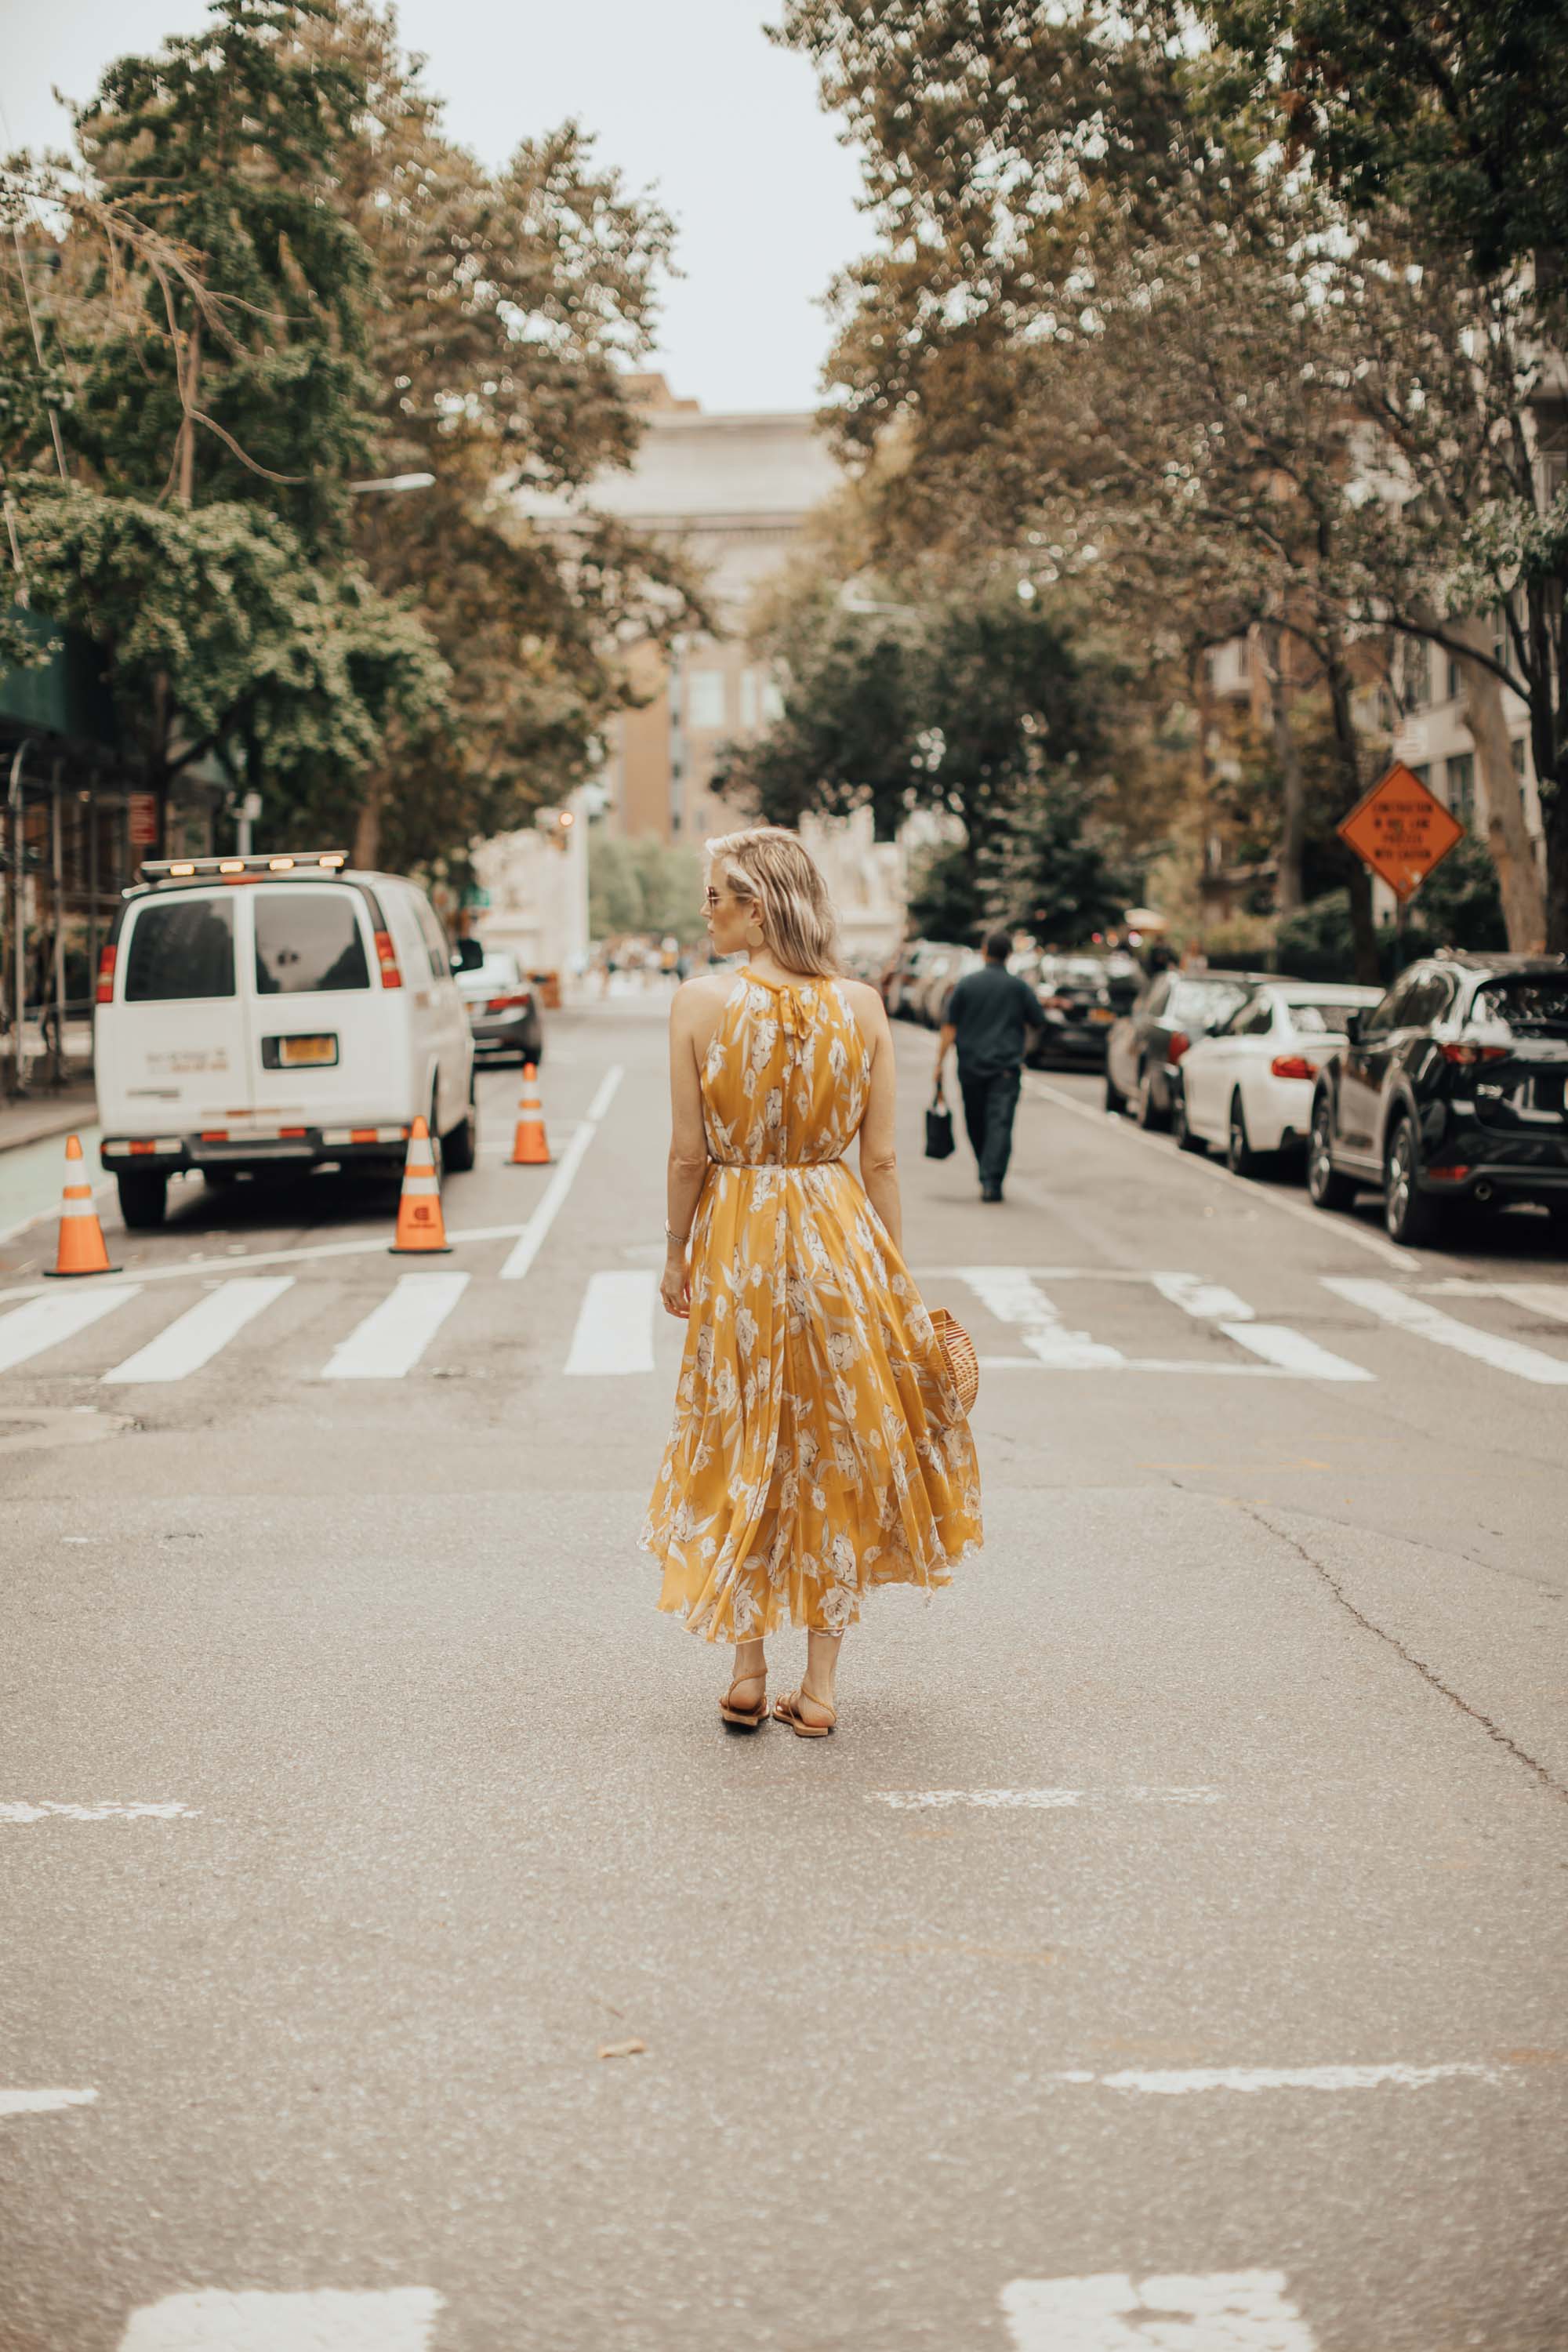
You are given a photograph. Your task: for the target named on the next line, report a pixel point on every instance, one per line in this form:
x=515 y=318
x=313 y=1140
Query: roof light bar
x=188 y=869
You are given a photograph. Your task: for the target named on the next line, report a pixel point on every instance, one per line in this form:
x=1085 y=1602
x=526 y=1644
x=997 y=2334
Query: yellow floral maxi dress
x=818 y=1448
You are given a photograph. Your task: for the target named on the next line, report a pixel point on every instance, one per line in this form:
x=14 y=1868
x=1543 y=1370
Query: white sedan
x=1249 y=1086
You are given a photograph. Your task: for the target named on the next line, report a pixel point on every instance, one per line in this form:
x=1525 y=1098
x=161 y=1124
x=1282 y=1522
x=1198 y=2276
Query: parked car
x=502 y=1007
x=1076 y=1008
x=263 y=1013
x=1451 y=1088
x=936 y=983
x=1248 y=1086
x=1144 y=1048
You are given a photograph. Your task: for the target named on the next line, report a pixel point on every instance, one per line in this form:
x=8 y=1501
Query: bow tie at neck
x=796 y=1006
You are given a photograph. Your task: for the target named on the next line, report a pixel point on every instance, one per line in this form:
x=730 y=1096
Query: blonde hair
x=794 y=911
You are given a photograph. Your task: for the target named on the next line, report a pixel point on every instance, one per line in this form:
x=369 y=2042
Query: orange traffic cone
x=529 y=1147
x=420 y=1228
x=81 y=1249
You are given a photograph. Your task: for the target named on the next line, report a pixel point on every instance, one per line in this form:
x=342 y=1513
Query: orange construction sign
x=1401 y=830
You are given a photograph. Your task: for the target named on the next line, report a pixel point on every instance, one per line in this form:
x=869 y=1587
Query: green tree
x=503 y=309
x=209 y=341
x=648 y=886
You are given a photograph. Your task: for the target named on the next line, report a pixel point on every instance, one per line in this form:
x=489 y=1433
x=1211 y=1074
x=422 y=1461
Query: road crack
x=1493 y=1731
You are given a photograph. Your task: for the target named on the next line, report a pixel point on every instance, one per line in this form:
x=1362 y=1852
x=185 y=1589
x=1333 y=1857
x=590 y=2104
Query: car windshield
x=1536 y=1001
x=1316 y=1020
x=1204 y=1002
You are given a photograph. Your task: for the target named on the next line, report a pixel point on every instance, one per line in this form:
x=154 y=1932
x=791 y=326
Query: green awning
x=66 y=694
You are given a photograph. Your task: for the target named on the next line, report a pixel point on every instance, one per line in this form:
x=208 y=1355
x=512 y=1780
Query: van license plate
x=295 y=1053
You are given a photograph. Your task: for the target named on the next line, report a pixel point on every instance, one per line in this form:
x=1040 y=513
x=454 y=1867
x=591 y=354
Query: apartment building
x=732 y=493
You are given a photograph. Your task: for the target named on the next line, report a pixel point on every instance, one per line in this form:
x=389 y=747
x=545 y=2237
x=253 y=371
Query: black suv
x=1451 y=1088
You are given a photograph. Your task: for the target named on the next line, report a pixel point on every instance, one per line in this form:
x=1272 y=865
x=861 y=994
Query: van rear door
x=327 y=1036
x=169 y=1045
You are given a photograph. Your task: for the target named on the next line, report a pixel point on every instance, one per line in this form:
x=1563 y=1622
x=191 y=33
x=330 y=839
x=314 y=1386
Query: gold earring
x=753 y=936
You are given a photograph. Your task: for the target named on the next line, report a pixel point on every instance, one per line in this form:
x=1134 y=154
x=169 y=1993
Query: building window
x=1462 y=788
x=1422 y=774
x=1516 y=753
x=772 y=701
x=1418 y=673
x=749 y=700
x=1454 y=684
x=705 y=693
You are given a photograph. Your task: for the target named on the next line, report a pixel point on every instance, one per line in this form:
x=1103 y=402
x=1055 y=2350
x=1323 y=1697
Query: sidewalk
x=39 y=1116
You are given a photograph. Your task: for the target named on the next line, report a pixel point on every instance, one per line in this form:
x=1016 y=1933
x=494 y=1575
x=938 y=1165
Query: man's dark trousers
x=989 y=1102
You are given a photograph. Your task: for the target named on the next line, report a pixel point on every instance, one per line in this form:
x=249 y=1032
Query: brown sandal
x=787 y=1710
x=746 y=1719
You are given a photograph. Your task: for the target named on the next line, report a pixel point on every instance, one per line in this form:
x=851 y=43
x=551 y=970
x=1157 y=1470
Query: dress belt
x=776 y=1167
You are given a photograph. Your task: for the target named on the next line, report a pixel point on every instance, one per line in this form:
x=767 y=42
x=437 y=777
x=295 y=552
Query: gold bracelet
x=679 y=1240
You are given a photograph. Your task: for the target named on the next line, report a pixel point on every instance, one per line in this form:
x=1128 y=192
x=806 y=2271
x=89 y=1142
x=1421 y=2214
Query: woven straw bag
x=963 y=1363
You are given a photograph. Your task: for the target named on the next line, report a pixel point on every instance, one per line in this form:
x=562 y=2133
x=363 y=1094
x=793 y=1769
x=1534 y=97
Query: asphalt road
x=1167 y=1953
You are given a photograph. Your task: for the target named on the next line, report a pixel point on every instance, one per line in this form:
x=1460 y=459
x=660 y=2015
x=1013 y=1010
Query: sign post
x=1401 y=830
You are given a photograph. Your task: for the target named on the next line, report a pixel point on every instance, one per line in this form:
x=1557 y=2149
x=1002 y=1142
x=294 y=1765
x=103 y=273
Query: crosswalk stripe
x=327 y=2319
x=59 y=1315
x=1240 y=2311
x=1426 y=1322
x=614 y=1325
x=194 y=1337
x=1545 y=1299
x=1277 y=1343
x=394 y=1335
x=1013 y=1295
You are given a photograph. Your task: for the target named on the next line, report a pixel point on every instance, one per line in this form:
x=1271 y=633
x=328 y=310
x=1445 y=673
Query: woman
x=818 y=1447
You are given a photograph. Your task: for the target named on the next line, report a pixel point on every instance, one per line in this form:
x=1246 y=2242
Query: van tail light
x=386 y=956
x=1178 y=1046
x=507 y=1004
x=1466 y=1055
x=1292 y=1066
x=106 y=975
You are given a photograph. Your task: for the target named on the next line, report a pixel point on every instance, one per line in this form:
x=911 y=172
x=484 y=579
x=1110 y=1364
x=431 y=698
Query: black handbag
x=940 y=1144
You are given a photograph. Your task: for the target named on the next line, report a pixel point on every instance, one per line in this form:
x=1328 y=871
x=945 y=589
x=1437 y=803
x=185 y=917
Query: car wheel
x=1185 y=1139
x=460 y=1149
x=1408 y=1214
x=143 y=1201
x=1239 y=1156
x=1326 y=1188
x=1115 y=1100
x=1147 y=1113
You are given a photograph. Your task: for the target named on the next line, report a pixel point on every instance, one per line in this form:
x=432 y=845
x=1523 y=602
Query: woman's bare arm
x=691 y=1026
x=879 y=1152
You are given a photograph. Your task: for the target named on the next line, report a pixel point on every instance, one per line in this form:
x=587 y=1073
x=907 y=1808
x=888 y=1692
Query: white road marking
x=1200 y=1366
x=1424 y=1322
x=1262 y=1196
x=1175 y=2083
x=17 y=1810
x=1546 y=1298
x=43 y=2103
x=1293 y=1351
x=194 y=1337
x=59 y=1315
x=1288 y=1349
x=1044 y=1799
x=614 y=1325
x=1013 y=1295
x=394 y=1335
x=1209 y=1301
x=554 y=1194
x=396 y=2319
x=1212 y=2311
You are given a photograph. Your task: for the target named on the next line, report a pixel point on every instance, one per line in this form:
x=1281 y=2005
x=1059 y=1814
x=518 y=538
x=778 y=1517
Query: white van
x=268 y=1012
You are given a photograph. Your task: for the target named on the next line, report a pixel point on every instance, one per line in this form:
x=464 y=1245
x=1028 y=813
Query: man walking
x=989 y=1016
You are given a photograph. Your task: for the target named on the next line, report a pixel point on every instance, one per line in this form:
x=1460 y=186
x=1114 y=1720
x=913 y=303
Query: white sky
x=686 y=96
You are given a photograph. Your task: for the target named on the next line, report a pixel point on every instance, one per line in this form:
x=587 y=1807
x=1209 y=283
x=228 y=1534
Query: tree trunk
x=1501 y=800
x=1363 y=930
x=1555 y=811
x=367 y=829
x=1288 y=754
